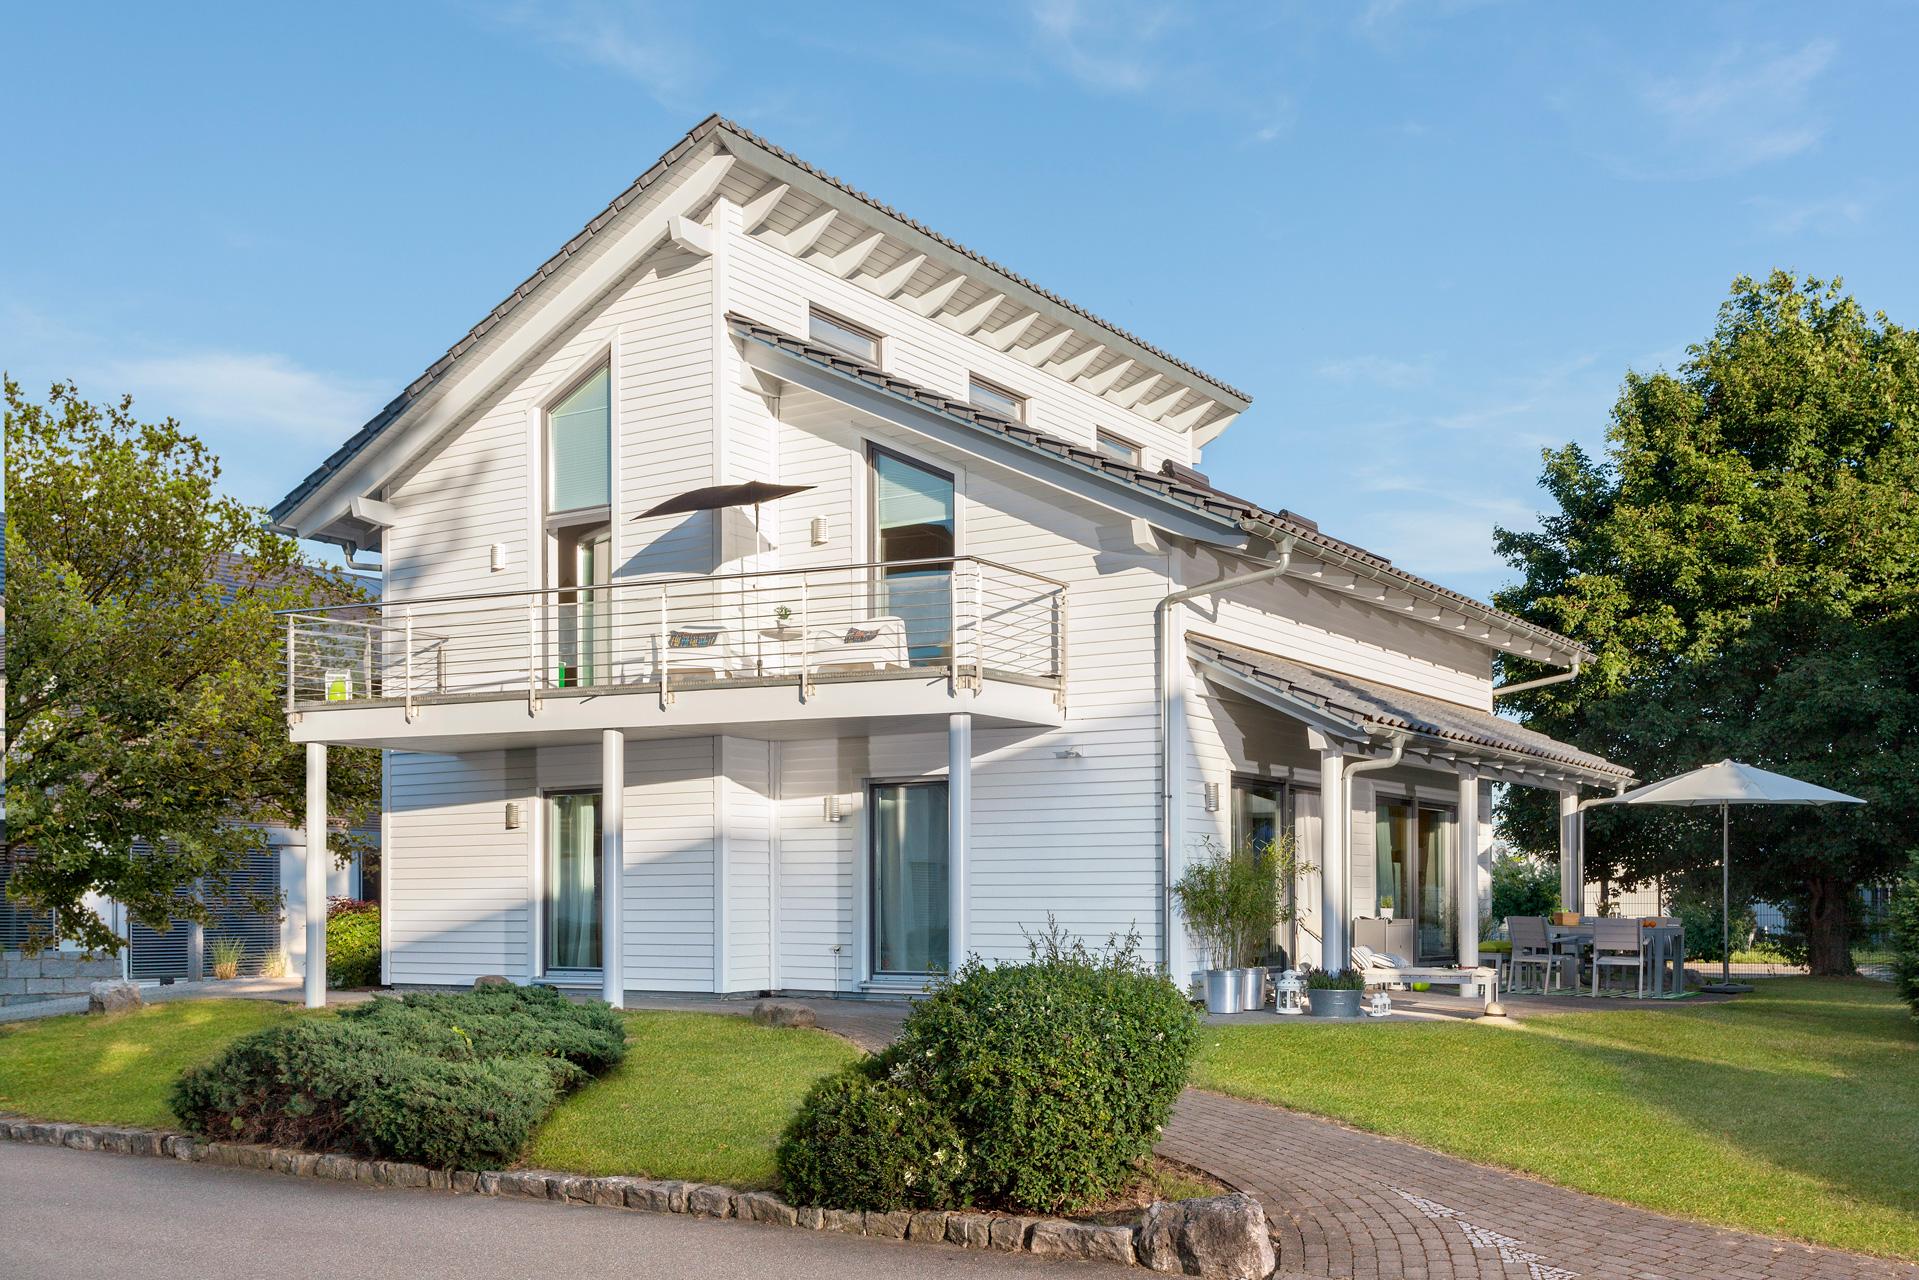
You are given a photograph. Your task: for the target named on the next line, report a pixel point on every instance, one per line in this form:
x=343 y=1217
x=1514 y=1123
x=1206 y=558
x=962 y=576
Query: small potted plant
x=1386 y=906
x=783 y=626
x=1334 y=993
x=1565 y=916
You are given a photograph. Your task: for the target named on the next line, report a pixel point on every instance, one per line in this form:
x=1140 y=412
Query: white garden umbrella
x=1726 y=784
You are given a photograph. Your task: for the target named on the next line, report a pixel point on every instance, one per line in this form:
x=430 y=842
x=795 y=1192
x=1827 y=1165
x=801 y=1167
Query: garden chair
x=1618 y=944
x=1531 y=948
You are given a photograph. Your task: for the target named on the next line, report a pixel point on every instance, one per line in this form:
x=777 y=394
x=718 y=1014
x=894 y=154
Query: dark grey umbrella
x=750 y=494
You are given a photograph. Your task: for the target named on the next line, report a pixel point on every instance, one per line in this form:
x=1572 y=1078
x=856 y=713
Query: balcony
x=787 y=647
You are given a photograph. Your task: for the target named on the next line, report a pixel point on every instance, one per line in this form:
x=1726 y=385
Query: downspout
x=1346 y=798
x=1540 y=683
x=1168 y=666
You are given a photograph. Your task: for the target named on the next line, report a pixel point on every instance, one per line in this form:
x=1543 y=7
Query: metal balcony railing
x=968 y=618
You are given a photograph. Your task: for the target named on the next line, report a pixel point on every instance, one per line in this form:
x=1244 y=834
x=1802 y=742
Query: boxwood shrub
x=453 y=1081
x=1055 y=1073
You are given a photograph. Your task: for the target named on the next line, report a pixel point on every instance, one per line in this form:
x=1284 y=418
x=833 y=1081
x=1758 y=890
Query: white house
x=1002 y=653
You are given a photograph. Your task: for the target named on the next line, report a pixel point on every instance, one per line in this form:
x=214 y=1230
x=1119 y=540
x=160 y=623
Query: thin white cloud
x=1742 y=109
x=1828 y=216
x=258 y=391
x=1380 y=371
x=1112 y=47
x=633 y=40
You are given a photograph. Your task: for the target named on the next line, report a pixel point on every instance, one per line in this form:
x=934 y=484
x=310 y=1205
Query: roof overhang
x=1030 y=460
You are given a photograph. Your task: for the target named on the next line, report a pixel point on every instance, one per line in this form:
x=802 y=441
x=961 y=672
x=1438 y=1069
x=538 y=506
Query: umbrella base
x=1727 y=988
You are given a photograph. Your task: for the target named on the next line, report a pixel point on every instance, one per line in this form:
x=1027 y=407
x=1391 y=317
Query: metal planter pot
x=1222 y=991
x=1252 y=989
x=1328 y=1003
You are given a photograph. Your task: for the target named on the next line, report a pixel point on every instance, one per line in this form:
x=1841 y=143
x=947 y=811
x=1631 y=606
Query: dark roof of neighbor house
x=1175 y=484
x=1367 y=704
x=640 y=185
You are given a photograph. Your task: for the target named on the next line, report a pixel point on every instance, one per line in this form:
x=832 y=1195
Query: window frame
x=838 y=321
x=1105 y=441
x=576 y=515
x=544 y=847
x=871 y=835
x=1000 y=389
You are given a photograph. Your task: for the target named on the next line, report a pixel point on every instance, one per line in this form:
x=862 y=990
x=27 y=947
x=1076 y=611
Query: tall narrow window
x=843 y=336
x=1437 y=935
x=913 y=529
x=909 y=877
x=573 y=880
x=995 y=399
x=1259 y=814
x=579 y=436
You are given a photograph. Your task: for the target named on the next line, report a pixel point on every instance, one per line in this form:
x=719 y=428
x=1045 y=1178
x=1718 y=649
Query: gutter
x=1172 y=712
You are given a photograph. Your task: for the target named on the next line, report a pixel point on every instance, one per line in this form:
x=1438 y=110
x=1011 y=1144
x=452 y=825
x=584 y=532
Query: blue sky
x=1428 y=238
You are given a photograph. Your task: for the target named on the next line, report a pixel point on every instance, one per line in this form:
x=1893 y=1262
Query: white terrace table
x=1665 y=949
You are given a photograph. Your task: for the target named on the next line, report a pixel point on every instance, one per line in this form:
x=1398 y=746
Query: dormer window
x=843 y=336
x=995 y=399
x=1115 y=447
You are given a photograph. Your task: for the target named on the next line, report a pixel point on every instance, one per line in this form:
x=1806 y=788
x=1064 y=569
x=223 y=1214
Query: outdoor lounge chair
x=1384 y=969
x=869 y=644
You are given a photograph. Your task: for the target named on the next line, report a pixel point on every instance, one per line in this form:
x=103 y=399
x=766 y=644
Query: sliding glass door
x=909 y=877
x=573 y=880
x=1437 y=940
x=1412 y=868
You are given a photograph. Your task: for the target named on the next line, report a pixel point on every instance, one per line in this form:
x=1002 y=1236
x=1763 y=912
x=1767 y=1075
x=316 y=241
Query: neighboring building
x=914 y=707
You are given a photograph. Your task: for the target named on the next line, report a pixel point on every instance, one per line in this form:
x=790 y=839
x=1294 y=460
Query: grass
x=1793 y=1111
x=700 y=1096
x=119 y=1069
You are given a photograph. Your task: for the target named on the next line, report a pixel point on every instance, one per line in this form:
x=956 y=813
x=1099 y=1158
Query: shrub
x=1699 y=917
x=454 y=1081
x=227 y=954
x=352 y=944
x=1335 y=980
x=1523 y=887
x=1231 y=901
x=863 y=1140
x=1056 y=1074
x=1903 y=933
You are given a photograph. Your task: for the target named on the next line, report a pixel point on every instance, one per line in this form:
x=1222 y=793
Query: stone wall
x=51 y=975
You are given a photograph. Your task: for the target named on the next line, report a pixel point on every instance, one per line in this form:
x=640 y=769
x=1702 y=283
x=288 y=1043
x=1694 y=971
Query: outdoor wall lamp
x=833 y=809
x=1212 y=797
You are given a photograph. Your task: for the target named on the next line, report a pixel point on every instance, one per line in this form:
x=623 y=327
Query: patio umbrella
x=1726 y=784
x=716 y=496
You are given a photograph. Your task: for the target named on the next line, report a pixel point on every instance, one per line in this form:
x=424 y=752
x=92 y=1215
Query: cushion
x=691 y=639
x=861 y=635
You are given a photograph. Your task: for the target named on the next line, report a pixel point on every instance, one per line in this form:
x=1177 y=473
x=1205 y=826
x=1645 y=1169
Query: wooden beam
x=894 y=278
x=807 y=234
x=1007 y=334
x=1099 y=383
x=1073 y=366
x=690 y=236
x=1154 y=408
x=937 y=296
x=1043 y=350
x=761 y=207
x=853 y=257
x=974 y=316
x=1211 y=431
x=1127 y=397
x=1187 y=419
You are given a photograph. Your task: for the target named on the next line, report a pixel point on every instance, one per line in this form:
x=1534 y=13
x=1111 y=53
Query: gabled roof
x=1364 y=705
x=743 y=140
x=1183 y=487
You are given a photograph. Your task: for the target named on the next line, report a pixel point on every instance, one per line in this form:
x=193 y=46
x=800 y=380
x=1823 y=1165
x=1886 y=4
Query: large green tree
x=1744 y=560
x=147 y=738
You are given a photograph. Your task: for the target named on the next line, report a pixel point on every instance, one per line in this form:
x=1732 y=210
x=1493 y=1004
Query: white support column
x=959 y=830
x=1335 y=866
x=316 y=869
x=612 y=863
x=1467 y=891
x=1572 y=858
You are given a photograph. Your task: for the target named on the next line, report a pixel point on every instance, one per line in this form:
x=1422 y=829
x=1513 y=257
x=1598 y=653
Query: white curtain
x=909 y=853
x=573 y=882
x=1306 y=836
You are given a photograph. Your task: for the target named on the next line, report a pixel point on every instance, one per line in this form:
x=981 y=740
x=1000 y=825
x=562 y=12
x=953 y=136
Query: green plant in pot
x=1232 y=900
x=1335 y=993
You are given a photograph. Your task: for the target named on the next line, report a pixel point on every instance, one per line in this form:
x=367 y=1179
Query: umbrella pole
x=1725 y=893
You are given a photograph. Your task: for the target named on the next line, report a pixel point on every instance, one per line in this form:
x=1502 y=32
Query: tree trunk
x=1828 y=928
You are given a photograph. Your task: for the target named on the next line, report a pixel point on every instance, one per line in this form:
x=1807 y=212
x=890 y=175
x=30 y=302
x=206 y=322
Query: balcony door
x=913 y=521
x=579 y=550
x=572 y=919
x=583 y=565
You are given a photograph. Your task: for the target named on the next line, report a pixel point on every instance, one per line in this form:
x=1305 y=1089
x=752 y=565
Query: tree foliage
x=146 y=729
x=1744 y=560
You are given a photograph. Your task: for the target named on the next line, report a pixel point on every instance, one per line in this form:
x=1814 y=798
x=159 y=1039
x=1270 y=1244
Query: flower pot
x=1567 y=918
x=1222 y=991
x=1328 y=1002
x=1252 y=989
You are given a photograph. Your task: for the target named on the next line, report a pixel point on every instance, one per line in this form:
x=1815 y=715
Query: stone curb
x=1042 y=1237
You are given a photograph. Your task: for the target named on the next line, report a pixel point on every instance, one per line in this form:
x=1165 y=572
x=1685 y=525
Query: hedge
x=1904 y=932
x=453 y=1081
x=1054 y=1075
x=353 y=943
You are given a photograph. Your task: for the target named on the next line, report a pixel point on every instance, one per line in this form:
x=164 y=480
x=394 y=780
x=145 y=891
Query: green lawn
x=119 y=1069
x=700 y=1096
x=1793 y=1111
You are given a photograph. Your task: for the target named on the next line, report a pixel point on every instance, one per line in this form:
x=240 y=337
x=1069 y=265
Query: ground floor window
x=909 y=877
x=573 y=880
x=1413 y=869
x=1263 y=809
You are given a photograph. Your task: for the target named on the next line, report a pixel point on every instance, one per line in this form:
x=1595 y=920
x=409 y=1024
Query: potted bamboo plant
x=1204 y=893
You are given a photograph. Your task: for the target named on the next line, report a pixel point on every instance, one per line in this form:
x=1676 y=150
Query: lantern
x=1288 y=992
x=1382 y=1004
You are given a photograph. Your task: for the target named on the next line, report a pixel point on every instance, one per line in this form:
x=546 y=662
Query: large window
x=1259 y=819
x=579 y=447
x=909 y=877
x=573 y=880
x=843 y=336
x=1411 y=847
x=913 y=522
x=995 y=399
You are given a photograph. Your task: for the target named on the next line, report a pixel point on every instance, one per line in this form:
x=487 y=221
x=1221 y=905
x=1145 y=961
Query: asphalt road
x=69 y=1215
